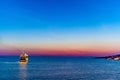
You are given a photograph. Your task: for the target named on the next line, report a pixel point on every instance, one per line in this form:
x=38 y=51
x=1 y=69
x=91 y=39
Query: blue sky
x=60 y=21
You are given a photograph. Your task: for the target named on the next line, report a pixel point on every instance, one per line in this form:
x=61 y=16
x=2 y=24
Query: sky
x=60 y=27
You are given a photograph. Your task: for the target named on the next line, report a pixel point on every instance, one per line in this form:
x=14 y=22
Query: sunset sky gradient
x=60 y=27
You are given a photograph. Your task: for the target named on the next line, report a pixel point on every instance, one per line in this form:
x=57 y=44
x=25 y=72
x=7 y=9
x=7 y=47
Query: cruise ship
x=23 y=58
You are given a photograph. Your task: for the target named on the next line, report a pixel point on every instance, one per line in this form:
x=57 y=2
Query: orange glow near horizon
x=63 y=49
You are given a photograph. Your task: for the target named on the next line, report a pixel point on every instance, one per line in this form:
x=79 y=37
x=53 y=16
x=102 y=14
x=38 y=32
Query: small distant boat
x=23 y=58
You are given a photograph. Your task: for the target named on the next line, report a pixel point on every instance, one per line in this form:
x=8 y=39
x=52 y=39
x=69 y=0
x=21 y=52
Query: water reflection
x=22 y=71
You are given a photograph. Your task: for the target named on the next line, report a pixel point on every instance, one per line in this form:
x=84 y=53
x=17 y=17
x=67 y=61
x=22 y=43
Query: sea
x=59 y=68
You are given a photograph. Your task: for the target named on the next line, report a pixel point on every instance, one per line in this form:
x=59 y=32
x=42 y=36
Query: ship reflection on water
x=22 y=71
x=23 y=66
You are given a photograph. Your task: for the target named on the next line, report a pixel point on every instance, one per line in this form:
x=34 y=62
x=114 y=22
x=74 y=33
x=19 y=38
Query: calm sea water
x=59 y=68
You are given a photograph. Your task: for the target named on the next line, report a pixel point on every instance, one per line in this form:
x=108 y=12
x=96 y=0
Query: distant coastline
x=113 y=57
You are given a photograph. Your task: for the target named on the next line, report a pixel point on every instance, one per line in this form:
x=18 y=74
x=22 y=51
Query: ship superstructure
x=24 y=57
